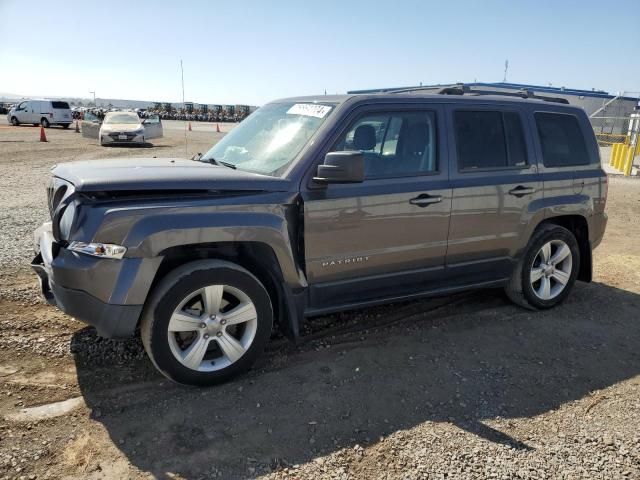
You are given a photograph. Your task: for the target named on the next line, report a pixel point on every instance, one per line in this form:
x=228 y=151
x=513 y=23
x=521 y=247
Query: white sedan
x=122 y=128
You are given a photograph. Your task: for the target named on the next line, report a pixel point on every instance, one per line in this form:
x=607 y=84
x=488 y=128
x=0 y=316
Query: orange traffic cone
x=43 y=137
x=77 y=127
x=218 y=127
x=189 y=126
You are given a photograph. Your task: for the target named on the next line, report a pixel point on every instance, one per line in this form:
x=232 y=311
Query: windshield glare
x=122 y=118
x=268 y=140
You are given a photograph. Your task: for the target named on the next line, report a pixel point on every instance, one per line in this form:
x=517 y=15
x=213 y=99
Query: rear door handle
x=521 y=191
x=424 y=200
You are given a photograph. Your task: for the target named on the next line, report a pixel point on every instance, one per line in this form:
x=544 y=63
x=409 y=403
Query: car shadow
x=467 y=362
x=128 y=145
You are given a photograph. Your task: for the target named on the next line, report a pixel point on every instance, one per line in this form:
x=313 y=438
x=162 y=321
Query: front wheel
x=547 y=271
x=206 y=322
x=14 y=121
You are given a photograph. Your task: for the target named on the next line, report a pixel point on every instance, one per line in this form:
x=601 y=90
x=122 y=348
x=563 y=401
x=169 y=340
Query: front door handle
x=425 y=200
x=521 y=191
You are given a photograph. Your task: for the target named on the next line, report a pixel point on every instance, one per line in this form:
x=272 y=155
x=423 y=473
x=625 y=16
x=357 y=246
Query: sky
x=250 y=52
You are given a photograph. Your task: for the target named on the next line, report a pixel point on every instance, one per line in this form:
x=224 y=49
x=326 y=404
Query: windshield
x=268 y=140
x=122 y=118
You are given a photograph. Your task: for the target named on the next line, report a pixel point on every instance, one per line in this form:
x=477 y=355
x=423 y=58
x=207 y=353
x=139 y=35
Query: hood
x=144 y=174
x=121 y=127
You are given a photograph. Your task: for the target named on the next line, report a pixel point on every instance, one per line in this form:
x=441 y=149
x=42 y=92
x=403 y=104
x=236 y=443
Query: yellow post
x=614 y=152
x=629 y=160
x=624 y=151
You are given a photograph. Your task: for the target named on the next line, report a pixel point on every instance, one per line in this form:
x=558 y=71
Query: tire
x=65 y=125
x=562 y=264
x=44 y=122
x=173 y=322
x=14 y=121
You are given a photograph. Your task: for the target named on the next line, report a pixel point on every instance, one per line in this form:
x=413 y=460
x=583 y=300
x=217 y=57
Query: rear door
x=90 y=125
x=61 y=112
x=495 y=180
x=387 y=236
x=153 y=127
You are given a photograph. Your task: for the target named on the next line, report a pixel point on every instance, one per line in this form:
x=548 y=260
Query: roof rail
x=462 y=89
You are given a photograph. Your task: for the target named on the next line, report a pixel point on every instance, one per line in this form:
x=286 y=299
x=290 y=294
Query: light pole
x=94 y=98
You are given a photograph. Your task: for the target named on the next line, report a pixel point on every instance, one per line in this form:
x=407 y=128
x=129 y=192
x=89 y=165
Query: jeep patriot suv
x=320 y=204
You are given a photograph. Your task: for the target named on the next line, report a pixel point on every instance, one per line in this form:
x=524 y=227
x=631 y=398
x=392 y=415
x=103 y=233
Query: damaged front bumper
x=54 y=264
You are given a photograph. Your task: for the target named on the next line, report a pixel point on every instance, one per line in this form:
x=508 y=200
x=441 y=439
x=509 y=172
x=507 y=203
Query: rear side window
x=60 y=105
x=561 y=140
x=489 y=139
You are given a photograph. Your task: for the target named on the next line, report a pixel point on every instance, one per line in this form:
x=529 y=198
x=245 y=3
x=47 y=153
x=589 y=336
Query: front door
x=495 y=180
x=90 y=125
x=152 y=127
x=385 y=237
x=23 y=112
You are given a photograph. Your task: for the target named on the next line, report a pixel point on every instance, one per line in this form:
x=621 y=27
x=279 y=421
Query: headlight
x=103 y=250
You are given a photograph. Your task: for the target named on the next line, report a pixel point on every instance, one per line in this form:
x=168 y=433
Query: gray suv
x=314 y=205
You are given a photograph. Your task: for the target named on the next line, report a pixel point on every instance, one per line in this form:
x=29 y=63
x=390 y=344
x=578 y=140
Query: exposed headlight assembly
x=103 y=250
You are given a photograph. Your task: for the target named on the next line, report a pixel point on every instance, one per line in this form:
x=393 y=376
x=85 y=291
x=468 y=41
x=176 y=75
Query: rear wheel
x=548 y=269
x=206 y=322
x=44 y=122
x=65 y=125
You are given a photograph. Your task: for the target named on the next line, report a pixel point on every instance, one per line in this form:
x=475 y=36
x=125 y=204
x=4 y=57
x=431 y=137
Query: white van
x=41 y=112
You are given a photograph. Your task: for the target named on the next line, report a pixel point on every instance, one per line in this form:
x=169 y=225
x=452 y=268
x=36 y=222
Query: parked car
x=121 y=128
x=321 y=204
x=41 y=112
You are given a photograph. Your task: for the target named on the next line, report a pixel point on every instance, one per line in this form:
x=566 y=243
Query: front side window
x=561 y=140
x=394 y=144
x=269 y=139
x=489 y=139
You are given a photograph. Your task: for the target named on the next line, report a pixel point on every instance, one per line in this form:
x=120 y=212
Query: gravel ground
x=466 y=386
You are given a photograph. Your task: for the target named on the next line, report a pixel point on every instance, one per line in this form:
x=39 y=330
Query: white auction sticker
x=309 y=109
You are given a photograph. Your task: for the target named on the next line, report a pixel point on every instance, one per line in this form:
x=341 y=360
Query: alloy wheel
x=551 y=269
x=212 y=328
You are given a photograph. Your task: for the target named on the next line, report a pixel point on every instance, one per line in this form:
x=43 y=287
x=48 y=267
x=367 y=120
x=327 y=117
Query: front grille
x=116 y=136
x=57 y=190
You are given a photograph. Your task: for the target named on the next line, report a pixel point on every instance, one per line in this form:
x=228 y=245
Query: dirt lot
x=467 y=386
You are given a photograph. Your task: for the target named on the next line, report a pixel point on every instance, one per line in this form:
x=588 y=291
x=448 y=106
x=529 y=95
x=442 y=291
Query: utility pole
x=94 y=98
x=506 y=67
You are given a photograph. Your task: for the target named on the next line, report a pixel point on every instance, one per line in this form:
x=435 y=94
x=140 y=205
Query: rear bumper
x=110 y=320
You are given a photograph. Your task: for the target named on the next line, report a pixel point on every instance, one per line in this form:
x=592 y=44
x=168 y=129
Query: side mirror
x=341 y=167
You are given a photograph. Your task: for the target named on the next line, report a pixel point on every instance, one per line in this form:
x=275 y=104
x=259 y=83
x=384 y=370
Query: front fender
x=151 y=235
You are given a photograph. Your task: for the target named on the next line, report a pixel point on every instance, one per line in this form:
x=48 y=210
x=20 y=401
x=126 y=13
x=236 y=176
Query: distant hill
x=79 y=101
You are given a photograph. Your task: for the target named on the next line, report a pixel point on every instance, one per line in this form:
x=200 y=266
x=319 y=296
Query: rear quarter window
x=561 y=140
x=60 y=105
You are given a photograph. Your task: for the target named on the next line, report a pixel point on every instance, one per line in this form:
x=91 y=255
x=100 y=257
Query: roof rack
x=462 y=89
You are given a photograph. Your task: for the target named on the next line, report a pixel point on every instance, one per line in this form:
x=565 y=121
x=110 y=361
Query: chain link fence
x=612 y=123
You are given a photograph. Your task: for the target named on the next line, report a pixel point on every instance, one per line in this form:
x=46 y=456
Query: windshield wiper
x=200 y=158
x=226 y=164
